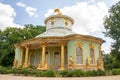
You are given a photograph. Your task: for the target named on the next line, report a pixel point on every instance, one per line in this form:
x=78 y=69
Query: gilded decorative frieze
x=91 y=46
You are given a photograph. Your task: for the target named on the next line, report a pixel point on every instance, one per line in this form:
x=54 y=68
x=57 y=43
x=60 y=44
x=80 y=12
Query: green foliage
x=75 y=73
x=78 y=73
x=5 y=70
x=95 y=73
x=108 y=59
x=116 y=71
x=10 y=36
x=25 y=71
x=38 y=73
x=100 y=72
x=50 y=73
x=88 y=73
x=112 y=26
x=63 y=73
x=33 y=72
x=16 y=71
x=110 y=62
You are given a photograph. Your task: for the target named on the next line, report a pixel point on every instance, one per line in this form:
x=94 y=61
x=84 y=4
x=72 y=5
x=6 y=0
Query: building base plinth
x=61 y=69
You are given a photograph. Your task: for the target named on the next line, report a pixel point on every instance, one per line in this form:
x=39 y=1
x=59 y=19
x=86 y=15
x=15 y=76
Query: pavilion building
x=60 y=48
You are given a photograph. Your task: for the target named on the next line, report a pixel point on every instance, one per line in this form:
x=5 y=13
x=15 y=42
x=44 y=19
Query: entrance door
x=32 y=58
x=47 y=57
x=57 y=59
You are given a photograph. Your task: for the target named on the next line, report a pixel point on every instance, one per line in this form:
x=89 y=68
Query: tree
x=112 y=26
x=10 y=36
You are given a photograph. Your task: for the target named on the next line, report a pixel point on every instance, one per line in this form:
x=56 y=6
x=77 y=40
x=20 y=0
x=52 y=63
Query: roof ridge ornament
x=57 y=11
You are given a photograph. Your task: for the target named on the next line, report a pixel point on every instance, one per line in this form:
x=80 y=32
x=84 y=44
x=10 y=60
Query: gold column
x=21 y=56
x=62 y=57
x=26 y=57
x=43 y=56
x=43 y=65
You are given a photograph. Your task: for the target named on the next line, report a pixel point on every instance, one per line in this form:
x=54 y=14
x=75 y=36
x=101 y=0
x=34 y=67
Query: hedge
x=51 y=73
x=116 y=71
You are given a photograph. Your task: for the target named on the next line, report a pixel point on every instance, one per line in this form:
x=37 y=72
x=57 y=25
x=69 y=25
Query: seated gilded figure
x=46 y=65
x=43 y=66
x=71 y=65
x=88 y=61
x=100 y=63
x=15 y=63
x=39 y=66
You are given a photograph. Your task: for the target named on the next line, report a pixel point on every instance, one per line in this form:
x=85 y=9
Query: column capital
x=21 y=47
x=43 y=44
x=16 y=45
x=27 y=46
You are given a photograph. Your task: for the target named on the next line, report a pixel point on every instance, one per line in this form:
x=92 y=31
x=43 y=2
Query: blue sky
x=88 y=14
x=42 y=7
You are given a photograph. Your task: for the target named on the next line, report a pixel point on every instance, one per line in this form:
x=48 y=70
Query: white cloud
x=91 y=1
x=30 y=10
x=88 y=18
x=7 y=14
x=21 y=4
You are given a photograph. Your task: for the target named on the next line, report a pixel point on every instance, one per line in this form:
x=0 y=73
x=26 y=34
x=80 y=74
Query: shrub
x=16 y=71
x=70 y=73
x=36 y=73
x=78 y=73
x=39 y=74
x=49 y=73
x=88 y=73
x=75 y=73
x=100 y=72
x=95 y=73
x=63 y=73
x=3 y=70
x=25 y=71
x=108 y=72
x=116 y=71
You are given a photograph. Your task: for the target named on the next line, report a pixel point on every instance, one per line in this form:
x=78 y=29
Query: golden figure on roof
x=57 y=11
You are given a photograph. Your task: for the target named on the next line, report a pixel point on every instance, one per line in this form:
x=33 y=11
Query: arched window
x=92 y=55
x=79 y=55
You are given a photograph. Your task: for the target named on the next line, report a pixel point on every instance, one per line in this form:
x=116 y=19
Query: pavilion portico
x=43 y=46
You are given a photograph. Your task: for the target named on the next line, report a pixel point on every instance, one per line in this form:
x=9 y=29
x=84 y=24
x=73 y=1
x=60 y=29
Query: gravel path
x=11 y=77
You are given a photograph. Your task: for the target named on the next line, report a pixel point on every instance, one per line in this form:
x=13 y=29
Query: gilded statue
x=57 y=11
x=15 y=63
x=100 y=63
x=39 y=66
x=46 y=65
x=71 y=65
x=89 y=61
x=43 y=66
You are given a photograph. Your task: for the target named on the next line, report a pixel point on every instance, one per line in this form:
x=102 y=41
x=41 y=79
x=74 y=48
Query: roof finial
x=57 y=11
